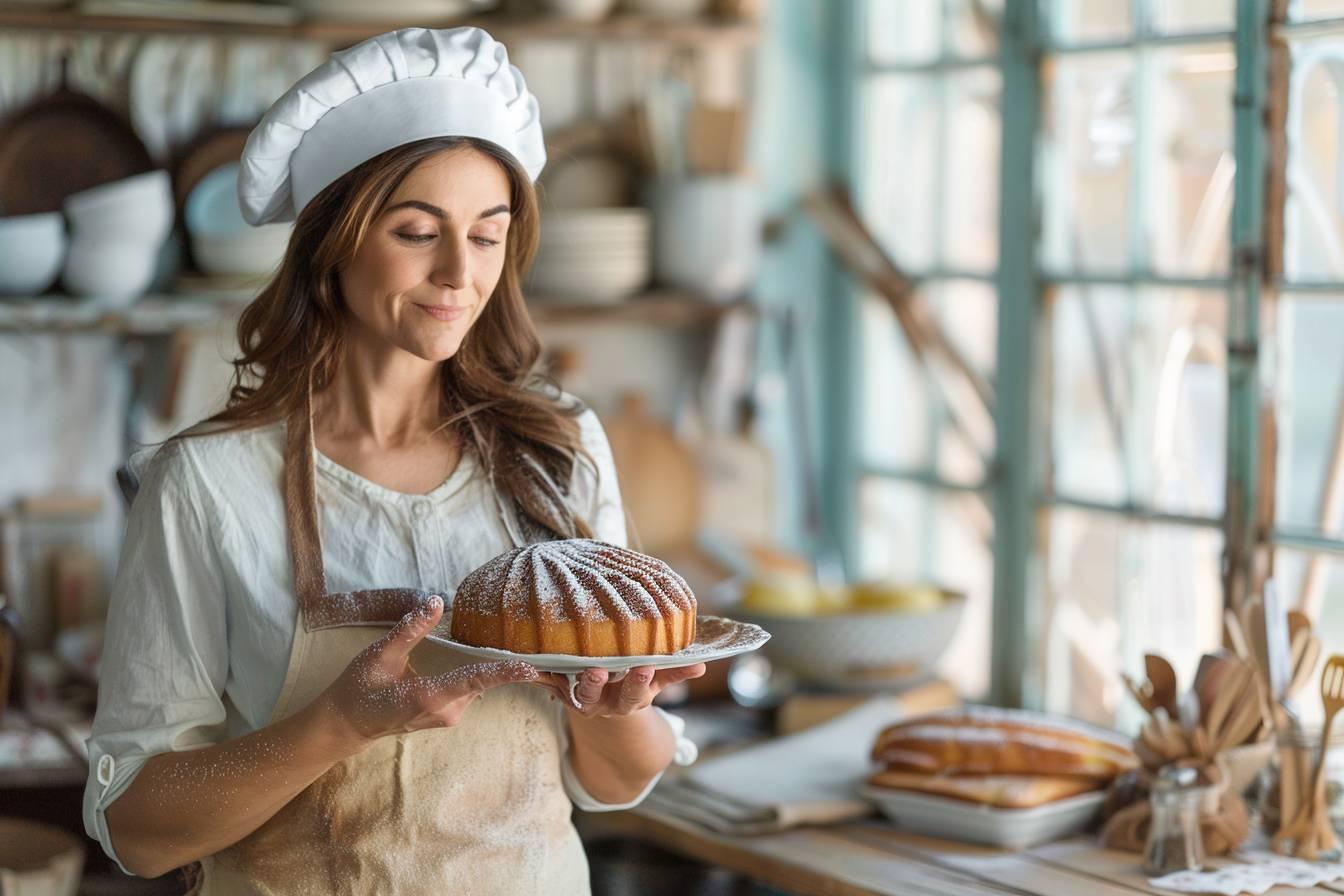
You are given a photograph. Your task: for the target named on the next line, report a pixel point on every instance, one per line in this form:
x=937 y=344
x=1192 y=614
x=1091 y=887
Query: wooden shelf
x=625 y=28
x=665 y=308
x=149 y=316
x=162 y=314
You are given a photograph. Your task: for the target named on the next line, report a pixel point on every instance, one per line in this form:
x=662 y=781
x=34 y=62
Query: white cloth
x=387 y=91
x=203 y=608
x=810 y=777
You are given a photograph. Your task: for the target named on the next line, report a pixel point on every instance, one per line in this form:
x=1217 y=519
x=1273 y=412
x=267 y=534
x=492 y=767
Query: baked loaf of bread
x=1003 y=791
x=576 y=597
x=989 y=741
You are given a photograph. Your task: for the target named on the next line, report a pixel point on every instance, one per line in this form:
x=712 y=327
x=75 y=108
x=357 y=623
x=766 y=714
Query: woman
x=268 y=706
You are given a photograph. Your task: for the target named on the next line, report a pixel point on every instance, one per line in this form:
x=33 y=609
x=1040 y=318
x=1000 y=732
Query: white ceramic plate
x=716 y=638
x=952 y=819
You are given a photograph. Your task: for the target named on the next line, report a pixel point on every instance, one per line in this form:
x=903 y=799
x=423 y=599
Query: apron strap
x=305 y=544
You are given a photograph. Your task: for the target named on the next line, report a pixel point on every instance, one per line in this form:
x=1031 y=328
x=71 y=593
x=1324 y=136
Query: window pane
x=1189 y=197
x=903 y=32
x=1314 y=213
x=968 y=312
x=1311 y=395
x=895 y=428
x=906 y=423
x=909 y=532
x=1159 y=355
x=974 y=26
x=1081 y=21
x=898 y=185
x=1315 y=9
x=1087 y=152
x=1190 y=16
x=1115 y=589
x=971 y=175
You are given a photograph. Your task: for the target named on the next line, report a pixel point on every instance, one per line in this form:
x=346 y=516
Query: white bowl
x=859 y=647
x=952 y=819
x=580 y=10
x=116 y=272
x=32 y=249
x=212 y=206
x=138 y=208
x=707 y=234
x=258 y=250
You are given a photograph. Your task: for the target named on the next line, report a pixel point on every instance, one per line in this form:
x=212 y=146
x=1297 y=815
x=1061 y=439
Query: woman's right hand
x=380 y=694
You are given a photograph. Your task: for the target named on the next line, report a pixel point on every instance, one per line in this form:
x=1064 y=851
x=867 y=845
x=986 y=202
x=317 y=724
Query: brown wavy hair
x=493 y=392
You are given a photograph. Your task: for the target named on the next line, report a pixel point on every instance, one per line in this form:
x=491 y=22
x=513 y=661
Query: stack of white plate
x=592 y=254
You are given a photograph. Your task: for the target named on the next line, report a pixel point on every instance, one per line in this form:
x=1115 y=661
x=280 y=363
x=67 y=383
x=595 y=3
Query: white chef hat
x=382 y=93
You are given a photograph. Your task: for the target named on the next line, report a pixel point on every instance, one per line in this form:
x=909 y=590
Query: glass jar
x=1303 y=745
x=1175 y=842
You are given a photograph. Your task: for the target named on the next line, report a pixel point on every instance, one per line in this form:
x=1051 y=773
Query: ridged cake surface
x=577 y=597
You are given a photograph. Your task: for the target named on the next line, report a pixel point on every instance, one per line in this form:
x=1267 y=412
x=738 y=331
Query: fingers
x=668 y=677
x=395 y=647
x=636 y=690
x=472 y=680
x=591 y=683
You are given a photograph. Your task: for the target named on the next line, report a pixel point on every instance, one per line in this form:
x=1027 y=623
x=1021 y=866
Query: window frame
x=1251 y=286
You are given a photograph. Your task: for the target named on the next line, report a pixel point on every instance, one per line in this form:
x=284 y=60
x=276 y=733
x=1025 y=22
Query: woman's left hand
x=600 y=697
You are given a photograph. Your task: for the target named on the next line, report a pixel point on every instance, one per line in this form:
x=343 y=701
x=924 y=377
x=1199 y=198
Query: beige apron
x=478 y=808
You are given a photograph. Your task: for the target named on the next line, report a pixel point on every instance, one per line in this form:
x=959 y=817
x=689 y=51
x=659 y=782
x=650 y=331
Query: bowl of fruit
x=871 y=632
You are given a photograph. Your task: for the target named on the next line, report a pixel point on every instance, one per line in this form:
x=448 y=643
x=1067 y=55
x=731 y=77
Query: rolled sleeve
x=686 y=752
x=165 y=656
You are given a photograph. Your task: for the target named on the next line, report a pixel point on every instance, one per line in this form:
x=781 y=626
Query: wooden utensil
x=1163 y=678
x=1297 y=621
x=1308 y=836
x=1211 y=679
x=1290 y=776
x=1236 y=711
x=1141 y=691
x=1306 y=653
x=1236 y=635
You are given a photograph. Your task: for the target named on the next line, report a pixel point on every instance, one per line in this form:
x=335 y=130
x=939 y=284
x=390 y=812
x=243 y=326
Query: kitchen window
x=1167 y=268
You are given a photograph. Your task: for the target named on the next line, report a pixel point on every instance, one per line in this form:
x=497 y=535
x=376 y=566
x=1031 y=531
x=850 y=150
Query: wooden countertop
x=870 y=858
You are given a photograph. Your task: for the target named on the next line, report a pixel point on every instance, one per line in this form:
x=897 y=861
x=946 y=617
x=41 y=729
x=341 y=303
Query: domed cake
x=578 y=597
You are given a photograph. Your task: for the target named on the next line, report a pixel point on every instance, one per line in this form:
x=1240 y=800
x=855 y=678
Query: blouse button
x=107 y=767
x=420 y=510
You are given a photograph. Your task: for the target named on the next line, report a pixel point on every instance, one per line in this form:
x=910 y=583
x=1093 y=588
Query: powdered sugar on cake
x=575 y=579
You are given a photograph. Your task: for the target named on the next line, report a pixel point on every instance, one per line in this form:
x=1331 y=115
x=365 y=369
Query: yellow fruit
x=891 y=597
x=782 y=595
x=833 y=599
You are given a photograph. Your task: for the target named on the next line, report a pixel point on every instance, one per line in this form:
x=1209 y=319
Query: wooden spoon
x=1163 y=677
x=1306 y=830
x=1297 y=621
x=1306 y=653
x=1141 y=691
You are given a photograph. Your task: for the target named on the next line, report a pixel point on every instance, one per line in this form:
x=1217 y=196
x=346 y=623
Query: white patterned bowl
x=859 y=647
x=32 y=248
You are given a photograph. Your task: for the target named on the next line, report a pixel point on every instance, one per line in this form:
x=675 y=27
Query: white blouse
x=202 y=612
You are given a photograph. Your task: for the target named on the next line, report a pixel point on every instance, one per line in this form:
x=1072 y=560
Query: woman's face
x=431 y=260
